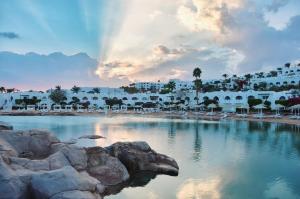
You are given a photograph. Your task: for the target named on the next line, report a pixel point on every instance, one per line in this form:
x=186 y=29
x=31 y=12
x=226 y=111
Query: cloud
x=9 y=35
x=233 y=36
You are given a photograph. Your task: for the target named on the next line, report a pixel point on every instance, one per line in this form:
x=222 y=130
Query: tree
x=75 y=89
x=58 y=95
x=96 y=90
x=287 y=65
x=171 y=85
x=197 y=82
x=253 y=102
x=129 y=89
x=2 y=89
x=113 y=101
x=273 y=73
x=225 y=76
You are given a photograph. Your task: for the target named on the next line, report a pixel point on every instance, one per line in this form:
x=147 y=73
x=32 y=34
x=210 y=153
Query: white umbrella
x=212 y=106
x=278 y=107
x=295 y=107
x=243 y=106
x=260 y=107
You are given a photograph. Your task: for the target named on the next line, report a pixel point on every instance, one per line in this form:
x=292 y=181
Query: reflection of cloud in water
x=280 y=189
x=200 y=189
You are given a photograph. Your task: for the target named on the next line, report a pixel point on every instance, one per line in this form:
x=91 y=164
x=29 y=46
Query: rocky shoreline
x=35 y=164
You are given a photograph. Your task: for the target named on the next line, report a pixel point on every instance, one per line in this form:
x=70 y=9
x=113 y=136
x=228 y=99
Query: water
x=217 y=160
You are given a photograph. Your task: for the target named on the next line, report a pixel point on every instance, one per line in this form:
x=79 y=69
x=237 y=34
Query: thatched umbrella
x=260 y=107
x=212 y=106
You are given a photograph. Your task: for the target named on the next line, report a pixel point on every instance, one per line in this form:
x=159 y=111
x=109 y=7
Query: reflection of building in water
x=200 y=189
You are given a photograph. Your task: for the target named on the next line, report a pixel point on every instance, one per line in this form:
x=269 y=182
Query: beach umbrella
x=295 y=107
x=260 y=107
x=243 y=106
x=212 y=106
x=278 y=107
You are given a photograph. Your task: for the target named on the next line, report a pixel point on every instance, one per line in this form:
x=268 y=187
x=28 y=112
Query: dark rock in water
x=92 y=137
x=109 y=170
x=35 y=164
x=138 y=156
x=5 y=126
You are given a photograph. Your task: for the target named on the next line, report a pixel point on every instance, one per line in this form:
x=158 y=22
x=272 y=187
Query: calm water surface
x=217 y=160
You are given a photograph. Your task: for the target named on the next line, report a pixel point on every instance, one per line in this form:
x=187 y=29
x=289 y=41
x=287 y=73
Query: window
x=124 y=98
x=84 y=98
x=134 y=98
x=227 y=98
x=205 y=98
x=239 y=97
x=95 y=98
x=282 y=98
x=105 y=98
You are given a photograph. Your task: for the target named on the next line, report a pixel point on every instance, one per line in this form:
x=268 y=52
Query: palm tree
x=197 y=74
x=75 y=89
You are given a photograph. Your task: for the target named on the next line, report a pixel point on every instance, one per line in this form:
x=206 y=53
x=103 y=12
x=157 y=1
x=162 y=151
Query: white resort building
x=225 y=93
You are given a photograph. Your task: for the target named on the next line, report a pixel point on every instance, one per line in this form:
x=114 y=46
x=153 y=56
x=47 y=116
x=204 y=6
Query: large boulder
x=33 y=144
x=138 y=156
x=75 y=155
x=35 y=164
x=11 y=187
x=109 y=170
x=49 y=184
x=5 y=126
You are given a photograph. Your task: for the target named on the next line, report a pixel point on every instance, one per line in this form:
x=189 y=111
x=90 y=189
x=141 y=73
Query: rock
x=75 y=155
x=57 y=161
x=76 y=195
x=138 y=156
x=107 y=169
x=11 y=187
x=35 y=164
x=34 y=143
x=93 y=137
x=48 y=184
x=5 y=126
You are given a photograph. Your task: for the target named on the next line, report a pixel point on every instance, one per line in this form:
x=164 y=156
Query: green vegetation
x=253 y=102
x=113 y=101
x=96 y=90
x=197 y=82
x=75 y=89
x=25 y=102
x=58 y=96
x=130 y=90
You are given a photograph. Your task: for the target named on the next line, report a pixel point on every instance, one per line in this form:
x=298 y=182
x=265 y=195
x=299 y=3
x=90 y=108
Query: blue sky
x=136 y=40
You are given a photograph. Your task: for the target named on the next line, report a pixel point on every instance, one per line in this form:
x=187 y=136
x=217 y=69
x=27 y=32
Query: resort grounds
x=284 y=118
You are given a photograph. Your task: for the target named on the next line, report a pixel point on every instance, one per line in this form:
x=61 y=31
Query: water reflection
x=200 y=189
x=226 y=159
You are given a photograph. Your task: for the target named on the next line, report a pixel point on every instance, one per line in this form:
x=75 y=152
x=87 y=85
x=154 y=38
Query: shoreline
x=168 y=115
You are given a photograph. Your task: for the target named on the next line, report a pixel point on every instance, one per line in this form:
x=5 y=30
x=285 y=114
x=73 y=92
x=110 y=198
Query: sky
x=117 y=42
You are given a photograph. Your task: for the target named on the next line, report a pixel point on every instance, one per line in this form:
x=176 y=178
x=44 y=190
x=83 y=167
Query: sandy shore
x=174 y=115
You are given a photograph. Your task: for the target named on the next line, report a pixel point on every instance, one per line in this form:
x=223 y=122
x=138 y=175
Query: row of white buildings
x=183 y=93
x=282 y=76
x=226 y=99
